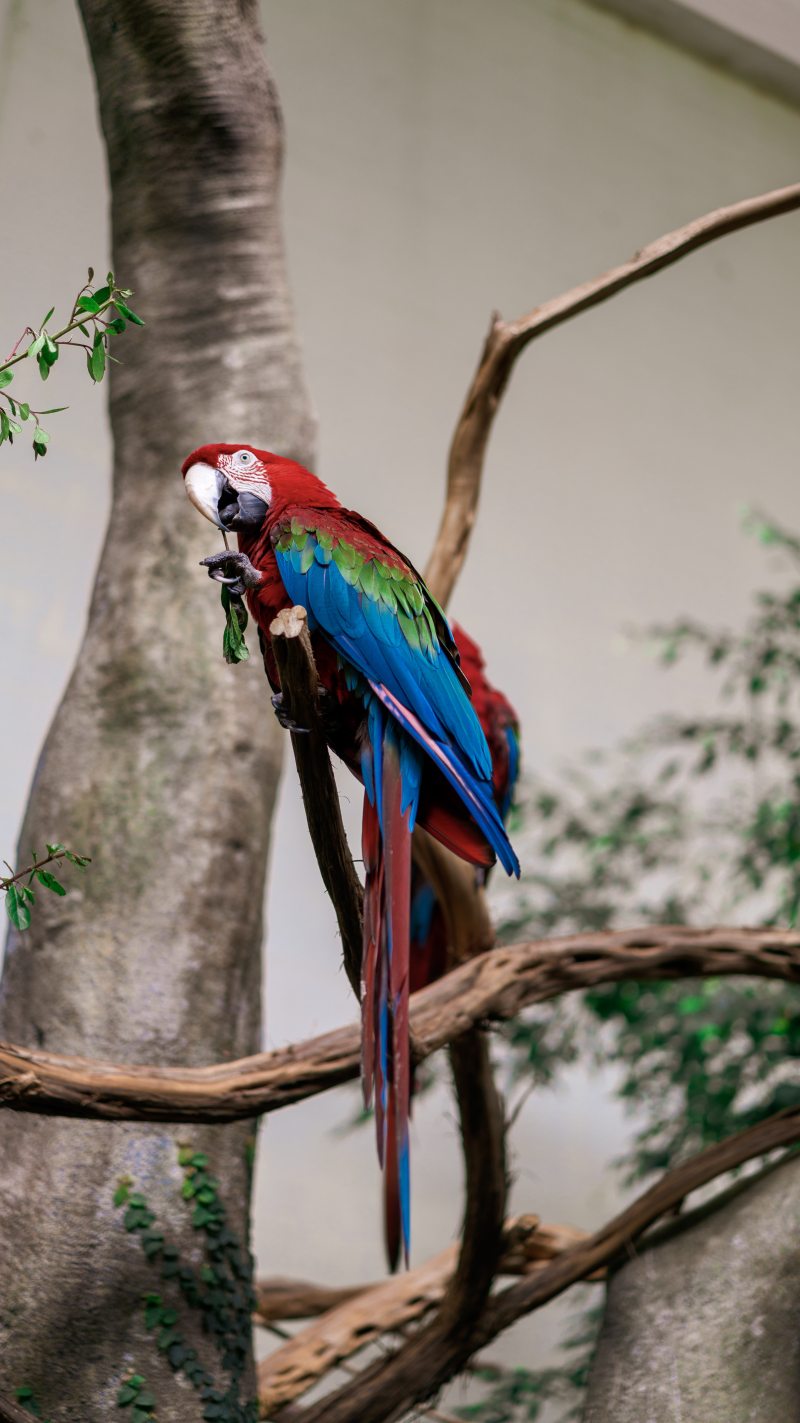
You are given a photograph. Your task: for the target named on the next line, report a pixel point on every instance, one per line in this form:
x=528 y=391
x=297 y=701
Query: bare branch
x=493 y=986
x=388 y=1389
x=506 y=339
x=782 y=1129
x=371 y=1312
x=343 y=1331
x=300 y=691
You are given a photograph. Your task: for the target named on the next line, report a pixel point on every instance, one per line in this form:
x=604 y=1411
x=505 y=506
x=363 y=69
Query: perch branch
x=300 y=691
x=507 y=339
x=494 y=986
x=387 y=1389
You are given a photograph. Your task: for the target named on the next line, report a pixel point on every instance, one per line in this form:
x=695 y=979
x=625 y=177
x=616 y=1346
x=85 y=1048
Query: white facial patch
x=244 y=471
x=204 y=486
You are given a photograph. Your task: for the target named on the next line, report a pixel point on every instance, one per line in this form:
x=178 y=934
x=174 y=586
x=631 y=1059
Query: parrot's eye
x=244 y=459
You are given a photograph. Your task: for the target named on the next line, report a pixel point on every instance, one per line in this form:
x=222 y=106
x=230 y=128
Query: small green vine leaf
x=234 y=647
x=122 y=1193
x=16 y=908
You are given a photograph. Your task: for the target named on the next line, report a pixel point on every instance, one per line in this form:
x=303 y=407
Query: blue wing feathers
x=478 y=796
x=422 y=681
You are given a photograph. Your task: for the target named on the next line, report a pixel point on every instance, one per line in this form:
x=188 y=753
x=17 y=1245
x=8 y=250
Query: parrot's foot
x=233 y=569
x=283 y=716
x=328 y=711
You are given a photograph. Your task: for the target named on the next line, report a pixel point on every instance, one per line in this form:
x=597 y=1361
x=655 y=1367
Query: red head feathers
x=213 y=472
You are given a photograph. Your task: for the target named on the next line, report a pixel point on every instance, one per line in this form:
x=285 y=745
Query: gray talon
x=284 y=719
x=233 y=569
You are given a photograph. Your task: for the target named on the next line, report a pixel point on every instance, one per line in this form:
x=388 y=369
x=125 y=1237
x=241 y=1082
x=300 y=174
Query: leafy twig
x=88 y=310
x=20 y=897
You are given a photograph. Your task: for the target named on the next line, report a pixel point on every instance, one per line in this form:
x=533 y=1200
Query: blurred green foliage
x=519 y=1395
x=696 y=819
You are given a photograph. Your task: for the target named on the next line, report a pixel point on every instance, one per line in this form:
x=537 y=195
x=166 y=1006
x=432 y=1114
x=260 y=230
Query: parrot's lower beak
x=204 y=486
x=242 y=509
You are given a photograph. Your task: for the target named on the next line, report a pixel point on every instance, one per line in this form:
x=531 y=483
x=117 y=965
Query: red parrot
x=398 y=713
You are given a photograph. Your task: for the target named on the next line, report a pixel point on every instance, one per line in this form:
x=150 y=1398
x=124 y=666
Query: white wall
x=446 y=158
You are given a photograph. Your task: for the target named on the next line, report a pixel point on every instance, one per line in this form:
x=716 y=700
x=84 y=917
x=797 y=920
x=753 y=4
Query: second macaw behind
x=398 y=713
x=500 y=725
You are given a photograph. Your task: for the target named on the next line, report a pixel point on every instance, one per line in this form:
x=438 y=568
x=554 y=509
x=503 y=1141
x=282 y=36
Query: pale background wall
x=445 y=158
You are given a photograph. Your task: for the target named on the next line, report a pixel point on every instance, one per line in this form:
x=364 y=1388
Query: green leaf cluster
x=25 y=1398
x=221 y=1290
x=97 y=315
x=234 y=647
x=21 y=896
x=135 y=1394
x=695 y=819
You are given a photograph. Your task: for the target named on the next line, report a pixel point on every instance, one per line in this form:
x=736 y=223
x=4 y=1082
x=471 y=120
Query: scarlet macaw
x=402 y=718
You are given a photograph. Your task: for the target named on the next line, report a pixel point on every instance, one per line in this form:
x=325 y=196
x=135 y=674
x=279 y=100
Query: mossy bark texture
x=162 y=761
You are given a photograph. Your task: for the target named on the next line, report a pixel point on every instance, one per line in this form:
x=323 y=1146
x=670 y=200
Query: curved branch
x=300 y=695
x=368 y=1312
x=507 y=339
x=782 y=1129
x=492 y=987
x=389 y=1388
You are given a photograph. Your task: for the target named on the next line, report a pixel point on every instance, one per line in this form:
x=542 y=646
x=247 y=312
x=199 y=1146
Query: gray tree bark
x=161 y=762
x=701 y=1326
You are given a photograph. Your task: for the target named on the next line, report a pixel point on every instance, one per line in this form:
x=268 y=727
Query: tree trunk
x=161 y=762
x=702 y=1323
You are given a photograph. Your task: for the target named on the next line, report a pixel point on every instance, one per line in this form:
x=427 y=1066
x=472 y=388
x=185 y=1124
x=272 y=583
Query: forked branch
x=388 y=1389
x=507 y=339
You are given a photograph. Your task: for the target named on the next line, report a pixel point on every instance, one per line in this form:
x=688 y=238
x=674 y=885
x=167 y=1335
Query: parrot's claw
x=284 y=719
x=233 y=569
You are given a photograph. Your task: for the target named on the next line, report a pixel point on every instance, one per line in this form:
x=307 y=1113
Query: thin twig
x=507 y=339
x=30 y=870
x=58 y=336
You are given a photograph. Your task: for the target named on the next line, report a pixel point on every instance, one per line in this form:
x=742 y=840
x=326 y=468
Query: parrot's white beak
x=204 y=486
